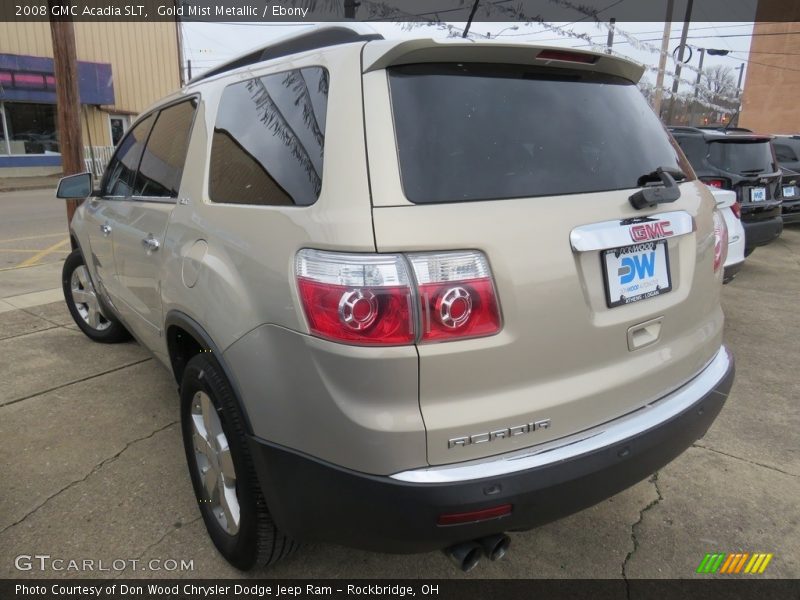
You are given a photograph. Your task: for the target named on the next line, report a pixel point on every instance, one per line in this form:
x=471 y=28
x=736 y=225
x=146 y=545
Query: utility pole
x=697 y=84
x=662 y=60
x=179 y=36
x=677 y=80
x=350 y=7
x=610 y=41
x=65 y=64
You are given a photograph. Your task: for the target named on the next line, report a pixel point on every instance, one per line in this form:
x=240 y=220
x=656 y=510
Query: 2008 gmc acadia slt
x=415 y=294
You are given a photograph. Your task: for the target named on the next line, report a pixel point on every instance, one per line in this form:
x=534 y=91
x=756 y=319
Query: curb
x=24 y=188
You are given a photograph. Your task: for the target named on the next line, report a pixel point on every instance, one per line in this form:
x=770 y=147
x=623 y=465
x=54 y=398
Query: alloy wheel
x=215 y=463
x=85 y=300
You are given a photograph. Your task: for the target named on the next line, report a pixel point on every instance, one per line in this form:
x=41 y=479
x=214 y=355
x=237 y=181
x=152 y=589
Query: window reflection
x=269 y=139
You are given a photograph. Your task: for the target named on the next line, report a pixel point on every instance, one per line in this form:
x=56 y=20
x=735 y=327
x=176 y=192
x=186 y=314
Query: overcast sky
x=209 y=44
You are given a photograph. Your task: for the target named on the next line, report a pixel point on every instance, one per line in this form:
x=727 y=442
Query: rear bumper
x=791 y=211
x=316 y=501
x=760 y=233
x=731 y=271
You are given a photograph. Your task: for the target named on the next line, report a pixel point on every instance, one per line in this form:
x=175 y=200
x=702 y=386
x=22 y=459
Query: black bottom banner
x=337 y=589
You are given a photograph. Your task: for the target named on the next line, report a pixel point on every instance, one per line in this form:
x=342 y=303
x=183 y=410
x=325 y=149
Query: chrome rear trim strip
x=585 y=442
x=615 y=234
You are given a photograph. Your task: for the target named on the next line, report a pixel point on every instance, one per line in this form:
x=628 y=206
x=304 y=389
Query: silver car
x=416 y=294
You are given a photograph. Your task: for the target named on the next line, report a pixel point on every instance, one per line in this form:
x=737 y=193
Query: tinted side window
x=162 y=162
x=269 y=139
x=122 y=168
x=784 y=153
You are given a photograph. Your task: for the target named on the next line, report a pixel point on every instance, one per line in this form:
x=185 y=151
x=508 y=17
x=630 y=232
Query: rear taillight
x=370 y=299
x=715 y=183
x=456 y=295
x=736 y=209
x=358 y=298
x=720 y=240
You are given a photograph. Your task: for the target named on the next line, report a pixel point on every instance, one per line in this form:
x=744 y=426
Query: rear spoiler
x=385 y=53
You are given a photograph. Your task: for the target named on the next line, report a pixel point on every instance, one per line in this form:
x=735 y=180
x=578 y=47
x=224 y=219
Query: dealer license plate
x=758 y=194
x=789 y=191
x=634 y=273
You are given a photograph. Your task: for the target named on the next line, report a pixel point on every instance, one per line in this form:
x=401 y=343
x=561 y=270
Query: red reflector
x=578 y=57
x=475 y=515
x=736 y=209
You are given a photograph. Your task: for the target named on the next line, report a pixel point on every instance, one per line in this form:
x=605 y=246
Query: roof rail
x=309 y=39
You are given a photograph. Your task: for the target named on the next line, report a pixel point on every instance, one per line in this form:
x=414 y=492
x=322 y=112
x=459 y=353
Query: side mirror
x=75 y=186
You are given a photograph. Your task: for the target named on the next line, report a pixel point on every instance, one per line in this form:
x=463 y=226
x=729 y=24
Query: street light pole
x=65 y=66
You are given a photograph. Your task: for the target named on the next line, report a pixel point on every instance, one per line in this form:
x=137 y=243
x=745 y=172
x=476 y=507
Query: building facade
x=772 y=86
x=122 y=69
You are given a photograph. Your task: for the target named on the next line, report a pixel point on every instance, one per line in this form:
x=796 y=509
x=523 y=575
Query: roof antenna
x=735 y=116
x=471 y=16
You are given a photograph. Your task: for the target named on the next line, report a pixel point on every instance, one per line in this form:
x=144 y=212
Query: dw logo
x=640 y=266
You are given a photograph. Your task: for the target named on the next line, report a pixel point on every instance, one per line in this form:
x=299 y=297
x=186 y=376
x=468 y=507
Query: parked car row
x=758 y=171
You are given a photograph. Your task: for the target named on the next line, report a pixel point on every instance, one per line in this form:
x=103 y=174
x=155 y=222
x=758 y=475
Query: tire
x=208 y=411
x=84 y=305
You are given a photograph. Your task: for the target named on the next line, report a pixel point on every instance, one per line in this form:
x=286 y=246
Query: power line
x=753 y=62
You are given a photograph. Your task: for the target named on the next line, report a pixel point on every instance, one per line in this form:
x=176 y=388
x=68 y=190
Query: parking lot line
x=30 y=261
x=24 y=251
x=31 y=237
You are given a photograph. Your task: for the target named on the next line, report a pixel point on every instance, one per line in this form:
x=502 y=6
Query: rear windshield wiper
x=650 y=196
x=654 y=176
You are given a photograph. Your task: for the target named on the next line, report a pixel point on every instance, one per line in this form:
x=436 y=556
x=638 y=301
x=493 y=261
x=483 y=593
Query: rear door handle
x=644 y=334
x=106 y=229
x=151 y=244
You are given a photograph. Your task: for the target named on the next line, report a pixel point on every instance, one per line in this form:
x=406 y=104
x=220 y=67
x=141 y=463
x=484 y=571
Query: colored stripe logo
x=734 y=564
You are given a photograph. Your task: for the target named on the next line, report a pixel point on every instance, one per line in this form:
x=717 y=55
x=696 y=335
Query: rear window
x=478 y=132
x=742 y=157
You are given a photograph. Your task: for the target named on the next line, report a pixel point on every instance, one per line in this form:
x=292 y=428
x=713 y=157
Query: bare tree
x=720 y=80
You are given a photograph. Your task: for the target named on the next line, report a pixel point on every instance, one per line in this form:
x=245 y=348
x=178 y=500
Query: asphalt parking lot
x=93 y=465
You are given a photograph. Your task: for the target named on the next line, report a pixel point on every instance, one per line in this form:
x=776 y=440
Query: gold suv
x=415 y=293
